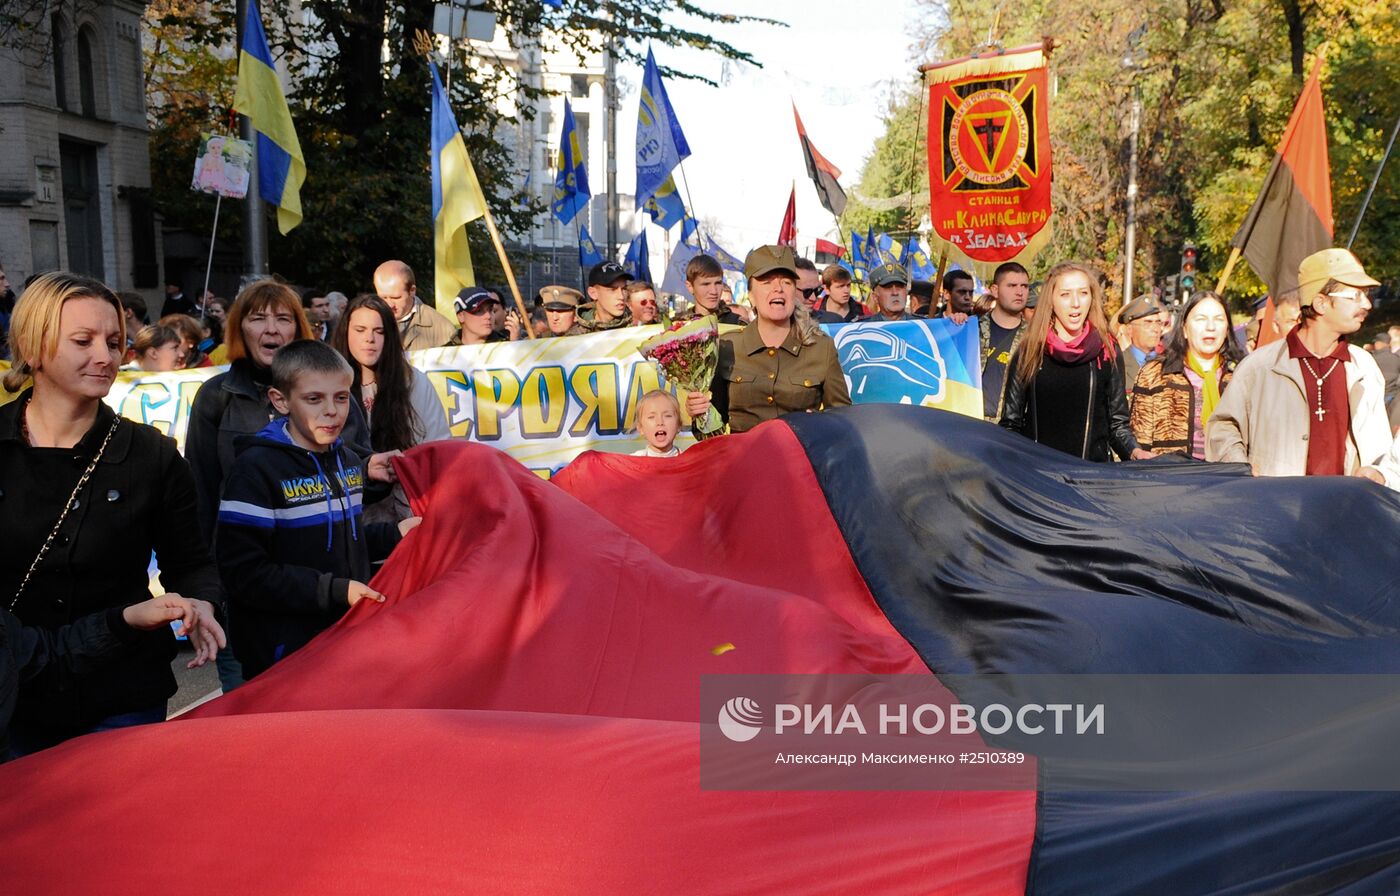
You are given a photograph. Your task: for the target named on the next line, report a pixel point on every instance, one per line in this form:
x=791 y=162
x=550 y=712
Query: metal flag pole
x=685 y=181
x=208 y=265
x=1390 y=144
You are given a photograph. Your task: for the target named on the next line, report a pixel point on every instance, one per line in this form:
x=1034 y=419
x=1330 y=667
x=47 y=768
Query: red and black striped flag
x=1292 y=216
x=823 y=174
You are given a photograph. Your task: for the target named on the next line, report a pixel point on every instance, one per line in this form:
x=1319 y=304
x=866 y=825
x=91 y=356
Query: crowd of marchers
x=267 y=527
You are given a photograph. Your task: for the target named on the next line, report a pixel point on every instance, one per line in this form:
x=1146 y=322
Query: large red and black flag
x=824 y=175
x=523 y=714
x=1292 y=216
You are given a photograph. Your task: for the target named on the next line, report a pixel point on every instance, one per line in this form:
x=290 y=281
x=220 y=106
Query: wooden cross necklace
x=1320 y=379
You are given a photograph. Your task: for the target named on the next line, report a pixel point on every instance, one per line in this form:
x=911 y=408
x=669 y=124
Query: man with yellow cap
x=1309 y=404
x=561 y=310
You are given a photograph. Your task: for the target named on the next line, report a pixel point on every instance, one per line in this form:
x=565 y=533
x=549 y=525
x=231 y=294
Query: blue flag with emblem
x=920 y=266
x=858 y=260
x=690 y=231
x=637 y=262
x=660 y=142
x=588 y=254
x=571 y=182
x=891 y=252
x=872 y=249
x=718 y=253
x=665 y=206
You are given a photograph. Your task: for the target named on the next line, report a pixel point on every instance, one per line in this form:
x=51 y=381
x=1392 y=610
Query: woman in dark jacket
x=85 y=498
x=1064 y=386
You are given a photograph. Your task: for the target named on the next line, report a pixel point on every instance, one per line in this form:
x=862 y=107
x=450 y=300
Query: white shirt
x=649 y=451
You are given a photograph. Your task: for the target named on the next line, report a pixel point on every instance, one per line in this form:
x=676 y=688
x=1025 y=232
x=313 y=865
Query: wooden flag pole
x=1225 y=275
x=510 y=275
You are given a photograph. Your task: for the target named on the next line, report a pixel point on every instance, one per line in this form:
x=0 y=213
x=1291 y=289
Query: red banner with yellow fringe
x=989 y=155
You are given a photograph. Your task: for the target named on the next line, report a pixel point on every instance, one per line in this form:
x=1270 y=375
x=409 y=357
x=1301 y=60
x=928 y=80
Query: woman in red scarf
x=1065 y=383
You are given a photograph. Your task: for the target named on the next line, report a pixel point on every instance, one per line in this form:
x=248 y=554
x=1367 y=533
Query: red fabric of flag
x=825 y=176
x=787 y=233
x=522 y=714
x=1292 y=216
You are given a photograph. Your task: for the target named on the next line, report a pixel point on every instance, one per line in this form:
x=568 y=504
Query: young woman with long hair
x=1064 y=387
x=401 y=405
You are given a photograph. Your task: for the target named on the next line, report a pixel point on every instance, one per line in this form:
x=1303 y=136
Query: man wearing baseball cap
x=889 y=283
x=1309 y=404
x=607 y=291
x=561 y=310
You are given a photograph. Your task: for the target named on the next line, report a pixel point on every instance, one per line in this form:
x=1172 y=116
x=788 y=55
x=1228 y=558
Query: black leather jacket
x=1105 y=424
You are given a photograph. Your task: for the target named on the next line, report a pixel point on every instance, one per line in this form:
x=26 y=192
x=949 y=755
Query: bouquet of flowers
x=687 y=354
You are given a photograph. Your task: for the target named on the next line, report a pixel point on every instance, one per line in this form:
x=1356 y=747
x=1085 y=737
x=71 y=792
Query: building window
x=60 y=41
x=86 y=90
x=578 y=87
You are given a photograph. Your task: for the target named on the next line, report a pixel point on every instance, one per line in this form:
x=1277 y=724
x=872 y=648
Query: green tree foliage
x=892 y=194
x=1218 y=79
x=361 y=102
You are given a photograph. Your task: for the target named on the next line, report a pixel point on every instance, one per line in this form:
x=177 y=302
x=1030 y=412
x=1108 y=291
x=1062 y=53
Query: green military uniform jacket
x=754 y=383
x=589 y=325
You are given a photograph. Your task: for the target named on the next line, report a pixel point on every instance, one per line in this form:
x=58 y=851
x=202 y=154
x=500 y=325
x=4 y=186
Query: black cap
x=607 y=273
x=472 y=298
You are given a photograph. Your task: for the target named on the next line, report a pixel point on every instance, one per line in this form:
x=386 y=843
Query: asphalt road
x=195 y=684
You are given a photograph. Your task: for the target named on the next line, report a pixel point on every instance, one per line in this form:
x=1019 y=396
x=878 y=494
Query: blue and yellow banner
x=588 y=254
x=571 y=192
x=548 y=400
x=931 y=363
x=457 y=200
x=665 y=206
x=258 y=95
x=661 y=143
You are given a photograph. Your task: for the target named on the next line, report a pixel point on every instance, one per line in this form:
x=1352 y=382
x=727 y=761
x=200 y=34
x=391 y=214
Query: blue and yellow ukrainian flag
x=281 y=166
x=457 y=199
x=571 y=192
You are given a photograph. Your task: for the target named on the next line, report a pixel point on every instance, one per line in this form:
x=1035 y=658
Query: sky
x=839 y=66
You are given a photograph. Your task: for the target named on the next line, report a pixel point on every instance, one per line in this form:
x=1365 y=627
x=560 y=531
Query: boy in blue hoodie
x=292 y=549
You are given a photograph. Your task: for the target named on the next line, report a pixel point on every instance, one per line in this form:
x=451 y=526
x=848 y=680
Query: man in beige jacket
x=1309 y=404
x=420 y=325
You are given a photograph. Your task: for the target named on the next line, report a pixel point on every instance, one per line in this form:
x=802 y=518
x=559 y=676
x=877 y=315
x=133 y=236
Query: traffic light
x=1169 y=294
x=1188 y=270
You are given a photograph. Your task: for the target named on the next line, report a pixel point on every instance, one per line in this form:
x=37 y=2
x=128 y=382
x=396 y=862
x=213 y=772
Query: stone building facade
x=74 y=152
